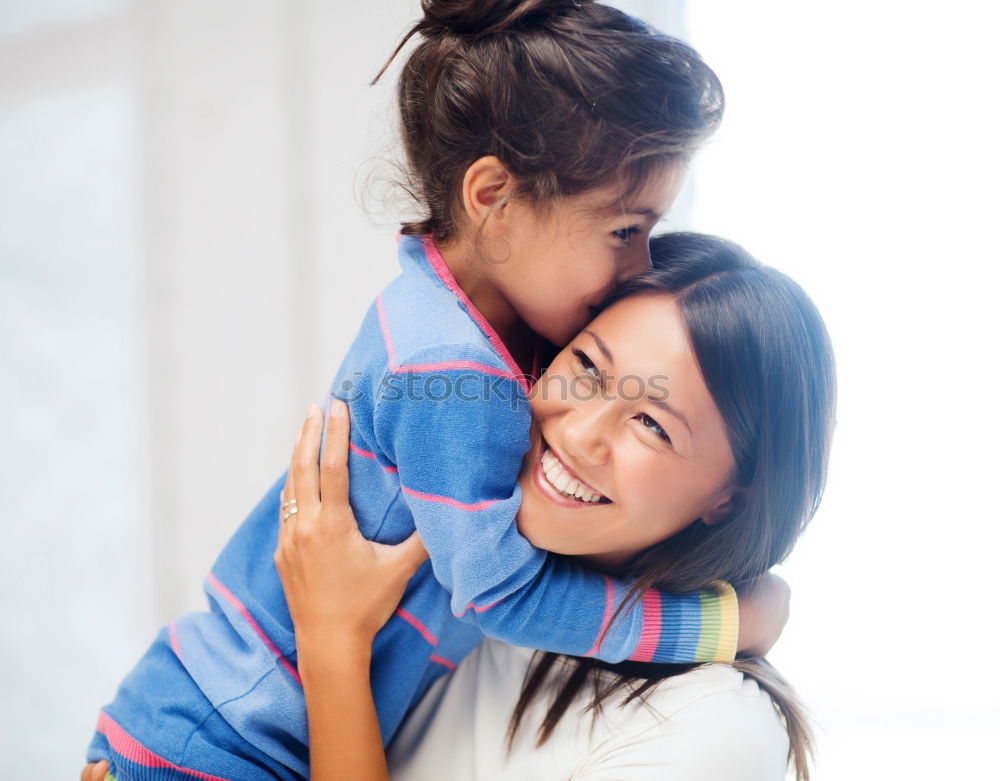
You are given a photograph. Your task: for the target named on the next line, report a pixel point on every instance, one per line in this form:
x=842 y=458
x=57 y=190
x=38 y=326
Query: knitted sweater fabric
x=439 y=427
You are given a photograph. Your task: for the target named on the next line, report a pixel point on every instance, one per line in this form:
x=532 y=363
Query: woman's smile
x=560 y=483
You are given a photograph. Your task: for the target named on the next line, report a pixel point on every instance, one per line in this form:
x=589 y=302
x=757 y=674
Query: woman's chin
x=549 y=523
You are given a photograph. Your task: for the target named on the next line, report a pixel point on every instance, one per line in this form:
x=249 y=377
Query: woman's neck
x=473 y=278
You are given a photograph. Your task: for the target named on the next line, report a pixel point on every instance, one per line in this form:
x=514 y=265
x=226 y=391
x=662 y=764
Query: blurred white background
x=184 y=257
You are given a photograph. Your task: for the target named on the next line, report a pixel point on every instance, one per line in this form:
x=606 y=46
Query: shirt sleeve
x=457 y=438
x=736 y=735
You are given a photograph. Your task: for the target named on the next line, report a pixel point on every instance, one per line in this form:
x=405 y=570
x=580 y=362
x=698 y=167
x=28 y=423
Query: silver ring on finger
x=289 y=503
x=290 y=513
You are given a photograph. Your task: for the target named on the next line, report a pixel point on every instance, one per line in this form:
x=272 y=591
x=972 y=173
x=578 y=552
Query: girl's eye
x=652 y=425
x=624 y=234
x=586 y=364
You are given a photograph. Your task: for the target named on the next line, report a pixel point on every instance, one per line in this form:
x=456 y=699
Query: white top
x=710 y=724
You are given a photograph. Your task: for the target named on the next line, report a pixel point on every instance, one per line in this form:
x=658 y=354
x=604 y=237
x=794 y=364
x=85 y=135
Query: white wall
x=859 y=154
x=183 y=261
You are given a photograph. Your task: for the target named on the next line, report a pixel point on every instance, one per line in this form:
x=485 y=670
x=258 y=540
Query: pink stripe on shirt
x=385 y=333
x=478 y=608
x=416 y=368
x=132 y=750
x=442 y=661
x=445 y=275
x=254 y=625
x=413 y=368
x=415 y=623
x=650 y=634
x=173 y=642
x=371 y=456
x=468 y=507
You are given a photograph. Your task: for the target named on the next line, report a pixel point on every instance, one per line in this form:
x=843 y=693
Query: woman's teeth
x=559 y=479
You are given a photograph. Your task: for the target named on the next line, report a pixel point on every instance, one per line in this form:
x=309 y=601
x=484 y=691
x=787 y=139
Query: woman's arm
x=341 y=588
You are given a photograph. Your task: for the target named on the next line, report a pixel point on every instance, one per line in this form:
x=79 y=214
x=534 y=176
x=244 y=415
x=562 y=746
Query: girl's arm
x=336 y=609
x=457 y=456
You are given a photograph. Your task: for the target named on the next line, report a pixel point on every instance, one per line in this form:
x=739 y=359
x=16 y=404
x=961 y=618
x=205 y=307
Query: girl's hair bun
x=481 y=17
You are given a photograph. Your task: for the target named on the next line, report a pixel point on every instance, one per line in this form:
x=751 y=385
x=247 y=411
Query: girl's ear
x=726 y=506
x=486 y=190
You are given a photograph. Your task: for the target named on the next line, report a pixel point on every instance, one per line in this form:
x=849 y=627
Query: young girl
x=720 y=486
x=545 y=139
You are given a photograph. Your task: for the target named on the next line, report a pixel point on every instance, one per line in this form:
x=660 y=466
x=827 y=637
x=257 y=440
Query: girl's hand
x=340 y=587
x=95 y=771
x=763 y=607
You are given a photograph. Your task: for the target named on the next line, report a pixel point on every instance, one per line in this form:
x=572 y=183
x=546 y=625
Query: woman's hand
x=340 y=587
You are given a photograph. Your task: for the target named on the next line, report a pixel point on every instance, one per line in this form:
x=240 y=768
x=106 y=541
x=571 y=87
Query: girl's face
x=627 y=446
x=564 y=259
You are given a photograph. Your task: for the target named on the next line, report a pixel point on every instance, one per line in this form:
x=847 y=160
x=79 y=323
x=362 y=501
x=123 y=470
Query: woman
x=736 y=361
x=698 y=404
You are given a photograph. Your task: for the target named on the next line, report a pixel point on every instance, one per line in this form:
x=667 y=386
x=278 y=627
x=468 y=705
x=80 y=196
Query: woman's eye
x=652 y=425
x=624 y=234
x=587 y=365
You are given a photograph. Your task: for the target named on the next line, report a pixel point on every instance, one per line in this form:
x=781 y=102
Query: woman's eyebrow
x=662 y=404
x=600 y=345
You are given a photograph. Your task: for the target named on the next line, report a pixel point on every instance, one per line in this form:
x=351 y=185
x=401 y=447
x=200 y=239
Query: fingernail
x=313 y=411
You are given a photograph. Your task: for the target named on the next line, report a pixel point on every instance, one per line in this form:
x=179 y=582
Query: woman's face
x=624 y=422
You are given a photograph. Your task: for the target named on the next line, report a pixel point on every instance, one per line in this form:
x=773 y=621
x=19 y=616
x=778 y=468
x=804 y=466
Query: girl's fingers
x=304 y=459
x=95 y=771
x=334 y=479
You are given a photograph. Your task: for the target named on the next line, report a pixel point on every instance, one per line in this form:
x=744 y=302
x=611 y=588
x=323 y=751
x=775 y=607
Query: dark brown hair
x=768 y=364
x=569 y=95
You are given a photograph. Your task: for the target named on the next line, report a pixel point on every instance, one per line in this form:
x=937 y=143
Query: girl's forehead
x=652 y=197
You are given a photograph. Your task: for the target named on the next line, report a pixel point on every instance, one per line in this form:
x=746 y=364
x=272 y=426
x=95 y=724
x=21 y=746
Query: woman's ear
x=724 y=508
x=486 y=190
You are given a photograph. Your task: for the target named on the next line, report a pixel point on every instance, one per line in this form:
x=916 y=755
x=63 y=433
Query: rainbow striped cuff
x=702 y=626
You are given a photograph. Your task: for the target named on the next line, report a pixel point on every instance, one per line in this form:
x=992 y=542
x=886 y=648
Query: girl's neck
x=472 y=277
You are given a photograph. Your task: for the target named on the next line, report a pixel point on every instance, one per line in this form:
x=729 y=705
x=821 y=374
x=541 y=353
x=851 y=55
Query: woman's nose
x=584 y=434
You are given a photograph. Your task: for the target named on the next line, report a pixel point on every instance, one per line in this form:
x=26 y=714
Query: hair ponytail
x=477 y=17
x=568 y=95
x=483 y=17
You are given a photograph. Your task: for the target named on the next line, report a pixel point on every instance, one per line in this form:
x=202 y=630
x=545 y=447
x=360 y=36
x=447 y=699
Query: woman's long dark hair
x=768 y=364
x=568 y=94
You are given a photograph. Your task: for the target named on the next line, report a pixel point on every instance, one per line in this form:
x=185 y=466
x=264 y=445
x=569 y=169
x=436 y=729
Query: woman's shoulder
x=711 y=722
